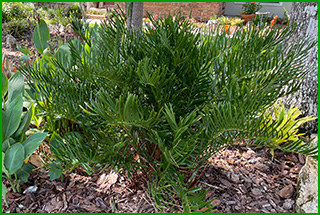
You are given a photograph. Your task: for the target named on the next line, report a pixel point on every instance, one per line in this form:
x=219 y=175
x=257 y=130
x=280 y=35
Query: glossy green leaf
x=24 y=50
x=14 y=158
x=4 y=85
x=24 y=58
x=4 y=169
x=4 y=193
x=25 y=123
x=5 y=145
x=32 y=143
x=40 y=36
x=15 y=87
x=11 y=117
x=24 y=172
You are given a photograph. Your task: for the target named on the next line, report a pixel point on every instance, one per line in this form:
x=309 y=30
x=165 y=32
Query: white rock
x=31 y=189
x=11 y=42
x=68 y=29
x=307 y=198
x=61 y=29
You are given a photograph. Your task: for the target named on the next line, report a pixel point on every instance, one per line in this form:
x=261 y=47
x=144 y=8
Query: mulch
x=241 y=179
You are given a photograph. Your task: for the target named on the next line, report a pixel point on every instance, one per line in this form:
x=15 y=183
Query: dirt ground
x=241 y=179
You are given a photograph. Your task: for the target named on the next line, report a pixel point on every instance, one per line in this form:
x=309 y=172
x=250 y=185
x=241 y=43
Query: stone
x=68 y=29
x=11 y=42
x=61 y=28
x=31 y=189
x=307 y=188
x=288 y=204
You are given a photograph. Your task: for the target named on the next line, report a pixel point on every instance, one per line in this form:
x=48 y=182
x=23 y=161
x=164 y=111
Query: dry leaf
x=36 y=160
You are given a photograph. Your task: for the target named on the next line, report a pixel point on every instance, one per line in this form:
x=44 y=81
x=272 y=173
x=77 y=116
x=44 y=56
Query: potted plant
x=248 y=11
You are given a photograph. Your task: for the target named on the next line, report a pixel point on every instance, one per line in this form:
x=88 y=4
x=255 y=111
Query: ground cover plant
x=159 y=102
x=16 y=147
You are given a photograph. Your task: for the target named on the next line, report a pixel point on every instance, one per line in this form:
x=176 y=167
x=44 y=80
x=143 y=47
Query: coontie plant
x=286 y=121
x=16 y=147
x=163 y=100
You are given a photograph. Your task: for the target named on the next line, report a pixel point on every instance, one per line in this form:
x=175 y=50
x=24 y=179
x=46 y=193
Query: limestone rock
x=11 y=42
x=307 y=198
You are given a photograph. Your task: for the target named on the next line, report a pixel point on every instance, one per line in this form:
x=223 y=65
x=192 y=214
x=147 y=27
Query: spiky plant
x=165 y=99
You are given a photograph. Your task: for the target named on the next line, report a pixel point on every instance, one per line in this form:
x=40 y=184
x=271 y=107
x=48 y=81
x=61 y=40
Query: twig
x=139 y=205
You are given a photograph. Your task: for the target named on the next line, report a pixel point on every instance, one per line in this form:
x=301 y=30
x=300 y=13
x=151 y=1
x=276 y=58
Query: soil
x=239 y=179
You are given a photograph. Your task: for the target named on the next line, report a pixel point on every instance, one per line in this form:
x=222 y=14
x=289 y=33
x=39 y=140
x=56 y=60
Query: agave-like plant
x=165 y=99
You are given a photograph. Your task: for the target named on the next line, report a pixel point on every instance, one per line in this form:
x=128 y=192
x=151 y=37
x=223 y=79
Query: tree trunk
x=305 y=14
x=134 y=12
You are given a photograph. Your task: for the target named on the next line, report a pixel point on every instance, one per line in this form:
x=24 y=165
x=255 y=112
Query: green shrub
x=74 y=11
x=168 y=96
x=17 y=27
x=15 y=11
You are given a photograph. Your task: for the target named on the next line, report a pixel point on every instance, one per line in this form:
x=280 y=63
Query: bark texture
x=305 y=14
x=134 y=12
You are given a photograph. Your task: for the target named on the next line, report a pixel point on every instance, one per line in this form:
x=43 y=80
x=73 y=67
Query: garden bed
x=242 y=180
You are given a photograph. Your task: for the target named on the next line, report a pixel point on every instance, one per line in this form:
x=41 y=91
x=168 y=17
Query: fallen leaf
x=102 y=179
x=36 y=160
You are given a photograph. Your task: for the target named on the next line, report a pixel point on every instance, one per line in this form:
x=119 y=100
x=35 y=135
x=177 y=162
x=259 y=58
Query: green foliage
x=74 y=11
x=286 y=124
x=17 y=27
x=41 y=36
x=16 y=148
x=223 y=20
x=167 y=95
x=15 y=11
x=250 y=7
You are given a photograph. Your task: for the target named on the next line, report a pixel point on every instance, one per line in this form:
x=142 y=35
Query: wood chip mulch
x=240 y=179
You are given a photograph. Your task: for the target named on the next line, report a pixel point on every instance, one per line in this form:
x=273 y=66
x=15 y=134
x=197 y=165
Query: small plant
x=223 y=20
x=213 y=17
x=96 y=12
x=16 y=147
x=285 y=124
x=250 y=8
x=17 y=27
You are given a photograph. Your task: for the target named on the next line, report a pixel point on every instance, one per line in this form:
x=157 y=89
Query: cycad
x=169 y=95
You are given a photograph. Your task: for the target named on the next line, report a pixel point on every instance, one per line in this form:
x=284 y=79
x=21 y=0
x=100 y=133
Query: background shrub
x=74 y=11
x=15 y=10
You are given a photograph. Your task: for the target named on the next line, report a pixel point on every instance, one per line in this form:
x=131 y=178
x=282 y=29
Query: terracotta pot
x=247 y=17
